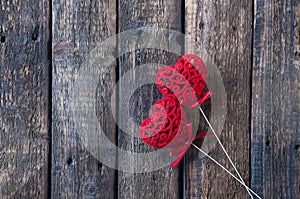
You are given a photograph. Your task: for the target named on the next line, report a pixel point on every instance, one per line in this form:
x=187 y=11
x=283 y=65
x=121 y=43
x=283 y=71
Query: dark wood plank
x=275 y=121
x=24 y=102
x=296 y=62
x=77 y=28
x=164 y=183
x=223 y=29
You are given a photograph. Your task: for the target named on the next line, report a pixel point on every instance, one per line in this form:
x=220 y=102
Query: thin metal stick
x=226 y=170
x=224 y=150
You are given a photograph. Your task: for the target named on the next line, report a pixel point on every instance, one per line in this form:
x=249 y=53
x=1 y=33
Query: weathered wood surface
x=224 y=29
x=296 y=113
x=77 y=28
x=275 y=99
x=164 y=183
x=255 y=44
x=24 y=99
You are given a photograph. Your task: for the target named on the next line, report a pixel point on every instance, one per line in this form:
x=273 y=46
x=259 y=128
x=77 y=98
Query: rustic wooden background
x=255 y=44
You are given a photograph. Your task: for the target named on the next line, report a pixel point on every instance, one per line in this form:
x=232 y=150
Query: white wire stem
x=225 y=151
x=220 y=165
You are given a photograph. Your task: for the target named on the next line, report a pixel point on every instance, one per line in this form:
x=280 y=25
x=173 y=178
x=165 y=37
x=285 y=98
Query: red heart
x=166 y=120
x=183 y=84
x=166 y=127
x=185 y=81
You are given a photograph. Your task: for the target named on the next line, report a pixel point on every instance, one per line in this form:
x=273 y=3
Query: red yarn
x=185 y=81
x=182 y=84
x=167 y=118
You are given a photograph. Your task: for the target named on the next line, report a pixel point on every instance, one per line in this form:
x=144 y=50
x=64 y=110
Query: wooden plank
x=223 y=29
x=24 y=102
x=164 y=183
x=296 y=62
x=77 y=28
x=276 y=95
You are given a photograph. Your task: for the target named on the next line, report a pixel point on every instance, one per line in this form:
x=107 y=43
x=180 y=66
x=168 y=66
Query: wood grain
x=164 y=183
x=77 y=28
x=24 y=102
x=275 y=102
x=296 y=113
x=255 y=45
x=223 y=29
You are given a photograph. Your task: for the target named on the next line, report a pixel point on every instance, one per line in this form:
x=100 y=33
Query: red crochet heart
x=183 y=84
x=185 y=81
x=166 y=120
